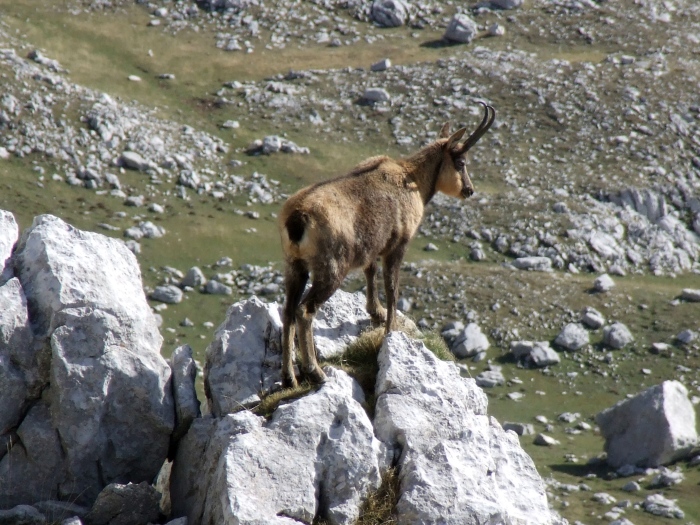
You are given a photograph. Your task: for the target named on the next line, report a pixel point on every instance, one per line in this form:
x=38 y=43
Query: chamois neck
x=423 y=168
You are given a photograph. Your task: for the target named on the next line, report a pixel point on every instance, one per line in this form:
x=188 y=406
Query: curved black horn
x=489 y=117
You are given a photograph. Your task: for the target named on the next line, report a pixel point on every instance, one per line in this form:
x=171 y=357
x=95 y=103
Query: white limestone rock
x=470 y=342
x=21 y=374
x=373 y=95
x=184 y=373
x=688 y=294
x=603 y=283
x=194 y=278
x=535 y=264
x=315 y=456
x=573 y=337
x=168 y=294
x=461 y=29
x=655 y=427
x=87 y=305
x=617 y=336
x=339 y=322
x=245 y=356
x=538 y=354
x=9 y=232
x=592 y=318
x=389 y=13
x=457 y=464
x=506 y=4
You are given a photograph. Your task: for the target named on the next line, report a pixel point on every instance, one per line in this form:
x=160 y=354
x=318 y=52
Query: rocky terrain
x=567 y=283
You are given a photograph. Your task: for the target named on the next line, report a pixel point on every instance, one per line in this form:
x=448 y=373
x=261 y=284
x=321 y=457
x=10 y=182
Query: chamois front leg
x=374 y=308
x=392 y=265
x=296 y=277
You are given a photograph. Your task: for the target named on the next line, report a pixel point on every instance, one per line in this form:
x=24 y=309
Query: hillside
x=135 y=120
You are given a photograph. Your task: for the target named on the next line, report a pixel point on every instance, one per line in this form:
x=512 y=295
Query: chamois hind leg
x=392 y=265
x=320 y=292
x=374 y=308
x=295 y=279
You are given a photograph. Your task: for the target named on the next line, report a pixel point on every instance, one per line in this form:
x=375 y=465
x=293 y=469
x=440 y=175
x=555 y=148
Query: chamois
x=348 y=222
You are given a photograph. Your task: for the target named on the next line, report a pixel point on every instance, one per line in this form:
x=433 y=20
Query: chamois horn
x=489 y=117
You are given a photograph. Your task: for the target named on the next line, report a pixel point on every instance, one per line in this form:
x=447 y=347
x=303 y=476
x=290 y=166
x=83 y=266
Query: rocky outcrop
x=316 y=456
x=457 y=464
x=655 y=427
x=91 y=397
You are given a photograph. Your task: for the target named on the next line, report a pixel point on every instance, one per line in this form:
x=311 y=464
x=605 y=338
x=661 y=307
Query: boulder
x=339 y=322
x=535 y=264
x=316 y=456
x=688 y=294
x=22 y=515
x=168 y=293
x=655 y=427
x=134 y=161
x=538 y=354
x=457 y=464
x=184 y=372
x=105 y=388
x=130 y=504
x=245 y=356
x=373 y=95
x=592 y=318
x=490 y=378
x=470 y=342
x=617 y=336
x=506 y=4
x=389 y=13
x=8 y=238
x=573 y=337
x=603 y=283
x=194 y=278
x=461 y=29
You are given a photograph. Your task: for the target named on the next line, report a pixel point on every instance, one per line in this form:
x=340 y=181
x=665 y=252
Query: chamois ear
x=456 y=137
x=445 y=131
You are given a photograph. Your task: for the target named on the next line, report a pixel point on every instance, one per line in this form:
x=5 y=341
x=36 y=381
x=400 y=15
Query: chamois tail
x=296 y=225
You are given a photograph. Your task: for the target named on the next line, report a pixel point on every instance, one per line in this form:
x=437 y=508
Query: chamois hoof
x=289 y=381
x=378 y=318
x=316 y=376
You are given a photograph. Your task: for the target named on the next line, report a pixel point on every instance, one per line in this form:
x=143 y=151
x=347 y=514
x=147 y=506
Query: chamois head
x=453 y=178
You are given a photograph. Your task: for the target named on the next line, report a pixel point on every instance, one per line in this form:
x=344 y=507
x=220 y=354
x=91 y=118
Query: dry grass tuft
x=379 y=507
x=436 y=344
x=271 y=401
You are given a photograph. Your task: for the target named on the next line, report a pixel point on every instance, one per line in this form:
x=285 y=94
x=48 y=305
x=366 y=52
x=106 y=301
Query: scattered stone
x=461 y=29
x=376 y=95
x=617 y=336
x=382 y=65
x=521 y=429
x=470 y=342
x=573 y=337
x=655 y=427
x=603 y=284
x=194 y=278
x=604 y=498
x=506 y=4
x=631 y=486
x=490 y=379
x=660 y=348
x=22 y=515
x=134 y=161
x=690 y=295
x=686 y=336
x=666 y=478
x=216 y=288
x=659 y=506
x=592 y=318
x=168 y=294
x=535 y=264
x=134 y=78
x=537 y=354
x=544 y=440
x=389 y=13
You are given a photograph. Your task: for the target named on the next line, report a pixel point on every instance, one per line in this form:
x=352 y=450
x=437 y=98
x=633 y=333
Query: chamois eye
x=460 y=163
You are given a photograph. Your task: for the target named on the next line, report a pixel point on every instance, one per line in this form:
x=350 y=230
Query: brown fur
x=349 y=222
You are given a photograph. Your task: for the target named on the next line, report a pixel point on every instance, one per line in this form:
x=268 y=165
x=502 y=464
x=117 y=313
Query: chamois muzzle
x=467 y=191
